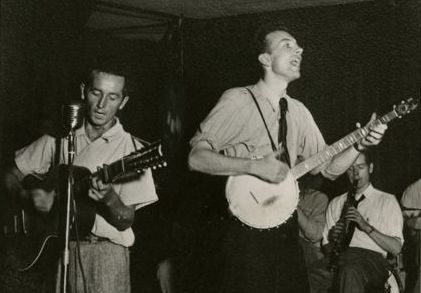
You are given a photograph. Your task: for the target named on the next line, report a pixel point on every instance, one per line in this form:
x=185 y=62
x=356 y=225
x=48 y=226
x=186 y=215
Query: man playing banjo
x=244 y=134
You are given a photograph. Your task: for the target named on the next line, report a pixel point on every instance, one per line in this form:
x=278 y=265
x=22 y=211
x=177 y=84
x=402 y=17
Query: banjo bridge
x=271 y=200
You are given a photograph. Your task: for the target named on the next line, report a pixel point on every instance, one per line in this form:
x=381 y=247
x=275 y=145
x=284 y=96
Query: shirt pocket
x=240 y=150
x=260 y=150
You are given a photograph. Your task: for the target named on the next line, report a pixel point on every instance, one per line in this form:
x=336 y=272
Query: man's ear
x=82 y=91
x=123 y=103
x=371 y=168
x=264 y=59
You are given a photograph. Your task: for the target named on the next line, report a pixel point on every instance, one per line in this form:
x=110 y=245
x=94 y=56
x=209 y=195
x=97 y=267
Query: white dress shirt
x=380 y=209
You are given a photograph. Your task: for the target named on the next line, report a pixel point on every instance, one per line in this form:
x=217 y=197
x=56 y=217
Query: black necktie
x=357 y=202
x=352 y=225
x=282 y=136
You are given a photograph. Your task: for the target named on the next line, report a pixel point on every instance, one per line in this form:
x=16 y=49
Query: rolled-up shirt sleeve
x=139 y=193
x=223 y=126
x=411 y=198
x=36 y=157
x=392 y=223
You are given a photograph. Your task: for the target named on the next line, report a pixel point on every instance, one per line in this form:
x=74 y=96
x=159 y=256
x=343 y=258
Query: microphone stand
x=418 y=282
x=69 y=198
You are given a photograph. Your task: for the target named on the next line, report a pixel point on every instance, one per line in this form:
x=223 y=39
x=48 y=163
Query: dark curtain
x=358 y=59
x=40 y=54
x=41 y=64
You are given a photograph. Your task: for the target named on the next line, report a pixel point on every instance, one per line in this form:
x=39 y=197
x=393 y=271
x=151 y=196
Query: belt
x=92 y=239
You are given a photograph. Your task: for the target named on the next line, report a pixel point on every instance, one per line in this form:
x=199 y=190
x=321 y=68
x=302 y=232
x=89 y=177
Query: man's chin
x=94 y=116
x=97 y=122
x=101 y=123
x=294 y=76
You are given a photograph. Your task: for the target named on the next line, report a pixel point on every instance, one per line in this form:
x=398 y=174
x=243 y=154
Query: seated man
x=378 y=230
x=411 y=205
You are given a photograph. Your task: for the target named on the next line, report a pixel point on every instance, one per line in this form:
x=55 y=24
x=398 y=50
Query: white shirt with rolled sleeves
x=235 y=127
x=411 y=198
x=380 y=209
x=38 y=157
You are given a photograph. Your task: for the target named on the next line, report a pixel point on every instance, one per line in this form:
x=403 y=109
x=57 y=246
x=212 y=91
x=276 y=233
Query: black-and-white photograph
x=210 y=146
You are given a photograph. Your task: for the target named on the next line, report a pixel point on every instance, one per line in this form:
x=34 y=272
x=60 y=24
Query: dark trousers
x=266 y=261
x=361 y=270
x=319 y=277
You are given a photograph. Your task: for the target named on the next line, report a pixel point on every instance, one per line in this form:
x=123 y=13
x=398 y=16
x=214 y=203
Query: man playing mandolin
x=101 y=140
x=245 y=133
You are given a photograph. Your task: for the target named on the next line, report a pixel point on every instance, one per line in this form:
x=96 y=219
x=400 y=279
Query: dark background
x=358 y=58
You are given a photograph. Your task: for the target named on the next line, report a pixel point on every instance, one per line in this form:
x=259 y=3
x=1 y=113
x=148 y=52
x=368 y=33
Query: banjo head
x=260 y=204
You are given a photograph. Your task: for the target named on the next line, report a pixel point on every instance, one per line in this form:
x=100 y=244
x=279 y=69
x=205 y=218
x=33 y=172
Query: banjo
x=263 y=205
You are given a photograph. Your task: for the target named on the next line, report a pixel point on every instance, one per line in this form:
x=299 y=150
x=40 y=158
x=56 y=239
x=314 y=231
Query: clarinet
x=342 y=241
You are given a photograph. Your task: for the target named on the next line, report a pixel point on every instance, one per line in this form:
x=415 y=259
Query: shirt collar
x=112 y=133
x=368 y=192
x=266 y=92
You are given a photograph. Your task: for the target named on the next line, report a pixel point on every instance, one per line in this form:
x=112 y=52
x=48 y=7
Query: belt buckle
x=92 y=239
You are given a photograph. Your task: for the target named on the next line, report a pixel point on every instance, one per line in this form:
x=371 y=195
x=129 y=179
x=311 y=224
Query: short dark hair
x=110 y=66
x=368 y=156
x=260 y=36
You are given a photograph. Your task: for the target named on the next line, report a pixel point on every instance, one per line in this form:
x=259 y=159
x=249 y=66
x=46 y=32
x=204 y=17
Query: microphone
x=72 y=116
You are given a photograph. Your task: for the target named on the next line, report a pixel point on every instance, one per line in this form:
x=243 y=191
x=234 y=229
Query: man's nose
x=101 y=102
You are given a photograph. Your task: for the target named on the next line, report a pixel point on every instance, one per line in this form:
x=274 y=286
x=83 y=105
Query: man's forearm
x=210 y=162
x=116 y=212
x=388 y=243
x=340 y=163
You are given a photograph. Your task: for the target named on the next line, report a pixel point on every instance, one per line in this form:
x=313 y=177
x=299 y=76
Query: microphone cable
x=79 y=259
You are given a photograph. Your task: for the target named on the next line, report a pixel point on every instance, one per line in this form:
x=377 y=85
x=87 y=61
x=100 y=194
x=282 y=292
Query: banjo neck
x=318 y=159
x=263 y=205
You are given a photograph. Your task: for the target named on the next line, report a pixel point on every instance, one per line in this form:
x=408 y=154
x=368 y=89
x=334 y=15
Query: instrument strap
x=134 y=143
x=274 y=148
x=57 y=152
x=142 y=141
